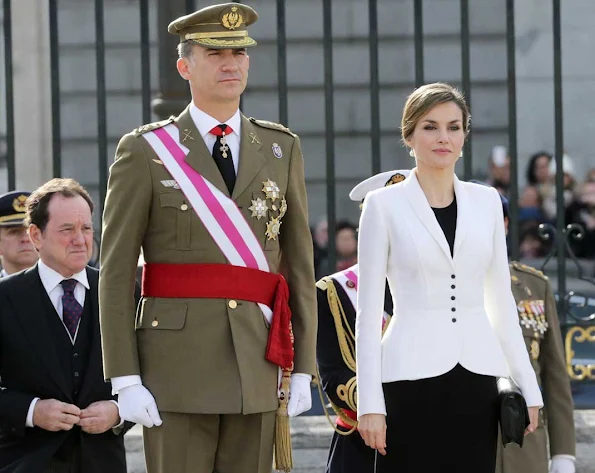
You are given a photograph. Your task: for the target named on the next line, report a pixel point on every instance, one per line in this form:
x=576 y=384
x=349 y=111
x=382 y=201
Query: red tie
x=220 y=129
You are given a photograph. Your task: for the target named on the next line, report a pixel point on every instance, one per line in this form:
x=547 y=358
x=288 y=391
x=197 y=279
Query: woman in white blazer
x=427 y=397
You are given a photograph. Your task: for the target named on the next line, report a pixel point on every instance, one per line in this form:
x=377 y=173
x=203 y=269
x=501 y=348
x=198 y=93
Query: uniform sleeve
x=373 y=250
x=556 y=384
x=125 y=219
x=502 y=312
x=297 y=253
x=335 y=375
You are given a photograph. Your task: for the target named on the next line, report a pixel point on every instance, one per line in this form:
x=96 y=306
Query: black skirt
x=446 y=424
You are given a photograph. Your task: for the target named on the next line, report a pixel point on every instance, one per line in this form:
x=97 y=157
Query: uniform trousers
x=210 y=443
x=444 y=424
x=349 y=454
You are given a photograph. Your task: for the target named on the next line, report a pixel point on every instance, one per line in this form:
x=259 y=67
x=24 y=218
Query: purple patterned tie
x=71 y=309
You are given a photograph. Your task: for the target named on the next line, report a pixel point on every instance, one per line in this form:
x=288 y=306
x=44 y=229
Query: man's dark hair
x=38 y=202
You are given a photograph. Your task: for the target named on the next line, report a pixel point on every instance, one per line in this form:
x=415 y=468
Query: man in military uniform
x=335 y=350
x=217 y=202
x=16 y=250
x=541 y=328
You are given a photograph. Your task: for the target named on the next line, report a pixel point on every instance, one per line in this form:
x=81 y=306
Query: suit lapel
x=32 y=314
x=199 y=157
x=251 y=159
x=423 y=211
x=464 y=218
x=94 y=367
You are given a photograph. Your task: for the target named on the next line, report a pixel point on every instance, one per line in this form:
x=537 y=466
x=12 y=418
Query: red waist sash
x=226 y=281
x=349 y=413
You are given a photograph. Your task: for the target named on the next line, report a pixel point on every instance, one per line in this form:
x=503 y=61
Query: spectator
x=538 y=171
x=531 y=245
x=590 y=176
x=582 y=211
x=499 y=169
x=530 y=206
x=345 y=246
x=548 y=190
x=320 y=237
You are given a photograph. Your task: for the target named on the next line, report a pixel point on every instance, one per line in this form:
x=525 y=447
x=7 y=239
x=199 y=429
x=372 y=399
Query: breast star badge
x=273 y=229
x=271 y=190
x=259 y=208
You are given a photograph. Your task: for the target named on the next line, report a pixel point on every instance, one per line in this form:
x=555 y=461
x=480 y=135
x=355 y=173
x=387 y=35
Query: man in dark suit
x=57 y=414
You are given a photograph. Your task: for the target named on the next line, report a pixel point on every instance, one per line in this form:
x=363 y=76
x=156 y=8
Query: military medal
x=534 y=349
x=271 y=190
x=224 y=147
x=259 y=208
x=273 y=229
x=277 y=151
x=283 y=208
x=170 y=183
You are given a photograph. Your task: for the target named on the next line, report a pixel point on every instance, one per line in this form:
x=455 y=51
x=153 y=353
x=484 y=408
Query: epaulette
x=153 y=126
x=272 y=126
x=528 y=269
x=323 y=283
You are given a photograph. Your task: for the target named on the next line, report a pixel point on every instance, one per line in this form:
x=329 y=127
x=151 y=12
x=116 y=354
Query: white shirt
x=51 y=280
x=205 y=123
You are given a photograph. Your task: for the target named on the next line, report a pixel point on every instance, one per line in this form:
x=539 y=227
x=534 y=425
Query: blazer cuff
x=121 y=382
x=29 y=421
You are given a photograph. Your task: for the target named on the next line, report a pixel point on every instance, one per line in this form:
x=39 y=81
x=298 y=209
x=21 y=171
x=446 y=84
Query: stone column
x=33 y=119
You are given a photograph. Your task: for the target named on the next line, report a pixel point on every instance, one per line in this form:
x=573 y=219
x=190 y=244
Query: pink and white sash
x=348 y=280
x=219 y=214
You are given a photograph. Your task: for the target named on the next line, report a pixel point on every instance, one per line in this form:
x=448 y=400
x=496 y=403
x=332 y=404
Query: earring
x=461 y=155
x=411 y=153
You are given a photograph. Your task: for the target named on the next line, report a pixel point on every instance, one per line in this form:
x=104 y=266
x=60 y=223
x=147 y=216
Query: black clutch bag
x=514 y=415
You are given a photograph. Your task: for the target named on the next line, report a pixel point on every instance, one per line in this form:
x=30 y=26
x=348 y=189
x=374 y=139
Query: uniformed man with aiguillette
x=217 y=202
x=541 y=328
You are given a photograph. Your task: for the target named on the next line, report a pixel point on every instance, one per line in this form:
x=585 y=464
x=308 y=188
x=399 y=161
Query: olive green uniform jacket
x=541 y=329
x=202 y=356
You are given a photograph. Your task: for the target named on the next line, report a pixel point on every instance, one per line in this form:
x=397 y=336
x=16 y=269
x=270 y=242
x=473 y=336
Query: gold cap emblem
x=232 y=18
x=19 y=203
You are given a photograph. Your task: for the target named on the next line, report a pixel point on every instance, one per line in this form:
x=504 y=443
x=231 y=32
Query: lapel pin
x=254 y=138
x=157 y=161
x=187 y=134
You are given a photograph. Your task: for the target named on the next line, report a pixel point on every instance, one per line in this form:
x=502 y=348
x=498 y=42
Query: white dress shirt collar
x=51 y=278
x=205 y=122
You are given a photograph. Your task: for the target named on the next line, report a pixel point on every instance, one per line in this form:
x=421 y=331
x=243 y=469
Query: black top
x=447 y=218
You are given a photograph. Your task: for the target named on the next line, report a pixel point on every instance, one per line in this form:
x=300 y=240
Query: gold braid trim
x=348 y=393
x=338 y=411
x=345 y=337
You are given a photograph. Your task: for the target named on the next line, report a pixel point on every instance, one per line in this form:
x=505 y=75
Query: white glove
x=300 y=394
x=138 y=405
x=560 y=464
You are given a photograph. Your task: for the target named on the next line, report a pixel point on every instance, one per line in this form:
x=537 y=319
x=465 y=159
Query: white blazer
x=447 y=310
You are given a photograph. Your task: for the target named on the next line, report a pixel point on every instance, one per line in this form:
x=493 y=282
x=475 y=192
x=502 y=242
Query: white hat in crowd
x=567 y=166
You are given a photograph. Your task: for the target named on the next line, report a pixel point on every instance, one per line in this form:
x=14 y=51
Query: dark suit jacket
x=29 y=368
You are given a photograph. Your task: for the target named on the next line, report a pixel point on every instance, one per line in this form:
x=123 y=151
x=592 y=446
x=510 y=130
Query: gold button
x=232 y=304
x=155 y=323
x=184 y=207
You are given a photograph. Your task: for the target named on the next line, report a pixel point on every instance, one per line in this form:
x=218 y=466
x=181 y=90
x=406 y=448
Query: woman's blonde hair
x=424 y=99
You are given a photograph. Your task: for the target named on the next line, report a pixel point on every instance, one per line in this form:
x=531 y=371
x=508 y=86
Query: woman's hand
x=533 y=420
x=372 y=428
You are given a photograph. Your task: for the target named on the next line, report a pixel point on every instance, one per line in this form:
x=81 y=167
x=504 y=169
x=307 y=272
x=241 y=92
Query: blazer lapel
x=199 y=156
x=32 y=314
x=424 y=212
x=94 y=367
x=464 y=217
x=251 y=161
